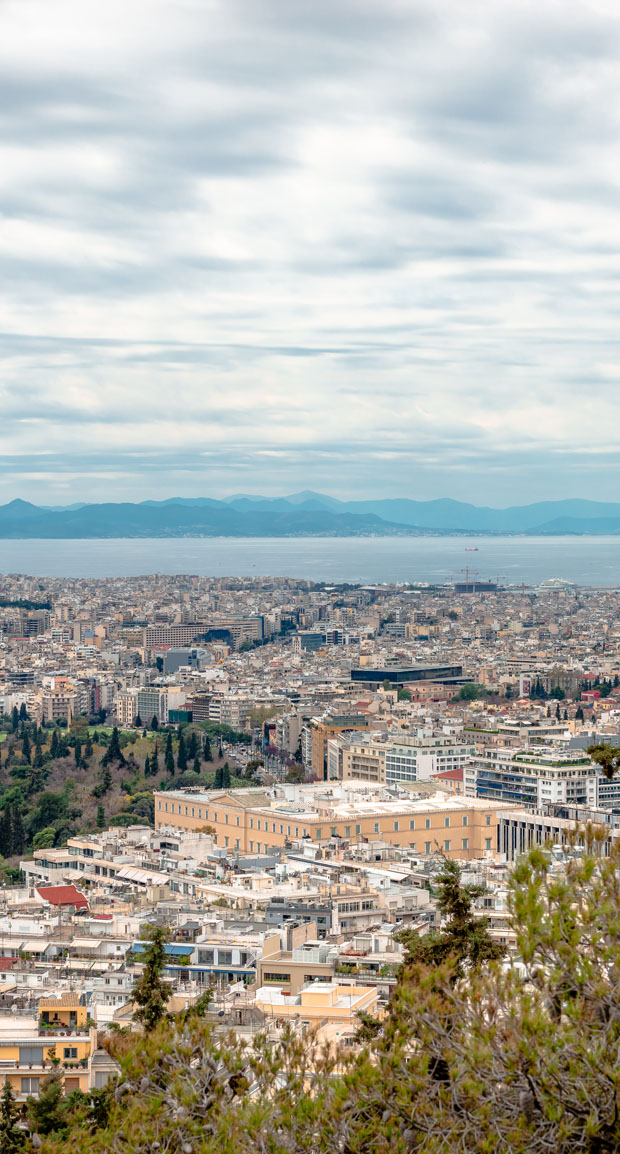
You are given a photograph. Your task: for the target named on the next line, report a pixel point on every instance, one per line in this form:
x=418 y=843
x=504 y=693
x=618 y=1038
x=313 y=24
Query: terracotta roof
x=449 y=775
x=63 y=896
x=65 y=1001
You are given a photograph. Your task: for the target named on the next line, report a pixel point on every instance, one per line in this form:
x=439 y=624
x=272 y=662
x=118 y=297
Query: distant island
x=304 y=514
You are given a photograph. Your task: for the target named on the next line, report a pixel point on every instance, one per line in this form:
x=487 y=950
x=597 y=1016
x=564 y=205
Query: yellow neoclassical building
x=258 y=821
x=60 y=1036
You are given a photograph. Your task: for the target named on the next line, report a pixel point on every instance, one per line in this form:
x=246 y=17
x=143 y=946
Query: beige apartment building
x=252 y=821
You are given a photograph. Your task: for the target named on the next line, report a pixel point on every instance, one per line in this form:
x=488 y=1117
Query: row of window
x=334 y=832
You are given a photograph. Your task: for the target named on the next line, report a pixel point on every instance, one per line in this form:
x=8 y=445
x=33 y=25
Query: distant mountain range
x=303 y=515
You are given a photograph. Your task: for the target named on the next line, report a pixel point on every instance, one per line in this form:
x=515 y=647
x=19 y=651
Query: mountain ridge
x=303 y=514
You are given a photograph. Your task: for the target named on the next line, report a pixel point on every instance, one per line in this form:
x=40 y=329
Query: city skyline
x=259 y=247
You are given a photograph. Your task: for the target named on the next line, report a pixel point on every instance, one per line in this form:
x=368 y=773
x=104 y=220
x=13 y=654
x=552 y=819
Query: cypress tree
x=88 y=749
x=78 y=754
x=155 y=761
x=192 y=746
x=100 y=817
x=147 y=766
x=38 y=753
x=14 y=719
x=154 y=723
x=217 y=781
x=114 y=751
x=197 y=764
x=182 y=755
x=225 y=776
x=18 y=833
x=150 y=992
x=169 y=756
x=6 y=833
x=49 y=1111
x=12 y=1138
x=23 y=712
x=26 y=748
x=207 y=749
x=54 y=744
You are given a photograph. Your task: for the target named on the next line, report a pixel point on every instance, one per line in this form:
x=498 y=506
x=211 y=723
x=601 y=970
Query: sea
x=593 y=561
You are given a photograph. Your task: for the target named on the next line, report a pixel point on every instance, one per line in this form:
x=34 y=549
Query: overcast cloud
x=370 y=248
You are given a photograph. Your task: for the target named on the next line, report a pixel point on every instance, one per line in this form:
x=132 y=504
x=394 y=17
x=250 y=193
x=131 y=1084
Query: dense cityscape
x=275 y=771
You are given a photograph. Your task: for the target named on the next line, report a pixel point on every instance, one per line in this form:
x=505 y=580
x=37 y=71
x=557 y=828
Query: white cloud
x=249 y=244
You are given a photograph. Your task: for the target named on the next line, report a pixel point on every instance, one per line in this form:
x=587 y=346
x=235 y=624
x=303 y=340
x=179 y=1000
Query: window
x=226 y=818
x=427 y=847
x=282 y=829
x=101 y=1078
x=332 y=833
x=319 y=834
x=273 y=827
x=465 y=819
x=347 y=831
x=69 y=1052
x=252 y=823
x=411 y=845
x=237 y=820
x=412 y=824
x=30 y=1085
x=376 y=827
x=224 y=957
x=276 y=977
x=427 y=823
x=465 y=843
x=251 y=847
x=31 y=1055
x=487 y=844
x=358 y=829
x=71 y=1084
x=193 y=814
x=488 y=817
x=446 y=846
x=395 y=827
x=446 y=822
x=199 y=812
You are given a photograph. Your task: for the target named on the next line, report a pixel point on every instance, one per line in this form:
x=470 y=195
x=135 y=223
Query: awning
x=85 y=943
x=143 y=877
x=34 y=946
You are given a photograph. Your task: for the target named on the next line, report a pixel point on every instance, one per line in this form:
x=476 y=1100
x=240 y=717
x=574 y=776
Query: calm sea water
x=584 y=560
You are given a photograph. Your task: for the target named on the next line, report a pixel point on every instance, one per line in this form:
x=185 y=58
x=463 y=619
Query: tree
x=154 y=723
x=12 y=1138
x=77 y=753
x=114 y=751
x=106 y=780
x=404 y=695
x=49 y=1113
x=45 y=838
x=137 y=721
x=607 y=756
x=54 y=744
x=155 y=761
x=225 y=776
x=150 y=992
x=147 y=766
x=196 y=765
x=18 y=833
x=206 y=753
x=169 y=756
x=23 y=712
x=26 y=754
x=192 y=746
x=14 y=719
x=182 y=755
x=100 y=817
x=468 y=692
x=579 y=713
x=88 y=749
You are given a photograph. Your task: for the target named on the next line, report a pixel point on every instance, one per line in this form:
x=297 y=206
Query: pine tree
x=106 y=780
x=12 y=1138
x=18 y=833
x=54 y=744
x=169 y=756
x=182 y=755
x=114 y=751
x=150 y=992
x=100 y=817
x=26 y=749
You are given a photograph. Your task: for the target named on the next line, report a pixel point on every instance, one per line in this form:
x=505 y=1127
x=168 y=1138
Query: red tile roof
x=63 y=896
x=449 y=775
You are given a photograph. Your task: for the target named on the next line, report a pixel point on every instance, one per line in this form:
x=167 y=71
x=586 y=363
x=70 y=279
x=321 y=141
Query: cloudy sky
x=369 y=248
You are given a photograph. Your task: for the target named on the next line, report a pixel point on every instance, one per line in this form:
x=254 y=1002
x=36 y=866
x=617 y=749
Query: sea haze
x=583 y=560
